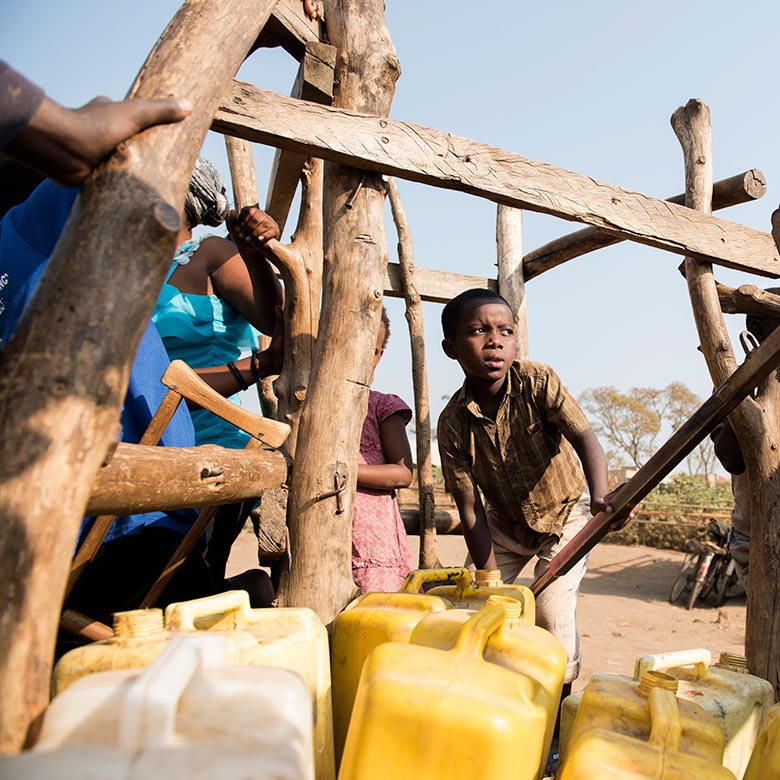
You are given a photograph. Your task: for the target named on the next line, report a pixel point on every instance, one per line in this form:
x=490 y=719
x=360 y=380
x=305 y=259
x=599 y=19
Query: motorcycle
x=708 y=567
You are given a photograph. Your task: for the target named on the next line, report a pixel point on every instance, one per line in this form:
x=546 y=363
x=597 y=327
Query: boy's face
x=484 y=343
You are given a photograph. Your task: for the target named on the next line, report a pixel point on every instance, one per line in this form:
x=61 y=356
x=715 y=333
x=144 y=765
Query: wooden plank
x=429 y=156
x=434 y=286
x=741 y=188
x=314 y=83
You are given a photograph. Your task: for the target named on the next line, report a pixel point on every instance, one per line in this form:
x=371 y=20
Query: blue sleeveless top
x=203 y=330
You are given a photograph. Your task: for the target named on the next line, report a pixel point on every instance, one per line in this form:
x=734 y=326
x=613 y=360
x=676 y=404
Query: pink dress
x=381 y=558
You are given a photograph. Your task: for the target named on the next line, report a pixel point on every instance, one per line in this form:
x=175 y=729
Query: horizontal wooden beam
x=749 y=299
x=741 y=188
x=435 y=286
x=439 y=159
x=144 y=479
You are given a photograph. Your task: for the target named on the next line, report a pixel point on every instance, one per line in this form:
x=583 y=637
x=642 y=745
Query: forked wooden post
x=355 y=261
x=64 y=374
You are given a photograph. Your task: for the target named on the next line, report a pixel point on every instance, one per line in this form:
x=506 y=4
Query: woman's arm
x=238 y=271
x=397 y=472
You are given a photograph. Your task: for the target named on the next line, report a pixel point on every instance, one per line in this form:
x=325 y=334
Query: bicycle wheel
x=681 y=582
x=728 y=585
x=716 y=570
x=678 y=586
x=695 y=591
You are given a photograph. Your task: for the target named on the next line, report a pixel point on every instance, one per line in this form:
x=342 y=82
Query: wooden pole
x=429 y=557
x=64 y=373
x=755 y=422
x=511 y=284
x=242 y=172
x=315 y=83
x=300 y=264
x=724 y=400
x=131 y=483
x=355 y=260
x=741 y=188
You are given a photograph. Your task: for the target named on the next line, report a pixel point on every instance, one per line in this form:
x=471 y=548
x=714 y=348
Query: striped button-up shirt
x=522 y=462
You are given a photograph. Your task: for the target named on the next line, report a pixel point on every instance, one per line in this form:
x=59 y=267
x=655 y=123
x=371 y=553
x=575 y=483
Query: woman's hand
x=251 y=229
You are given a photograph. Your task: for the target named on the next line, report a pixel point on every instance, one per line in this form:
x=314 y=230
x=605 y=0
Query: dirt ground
x=623 y=612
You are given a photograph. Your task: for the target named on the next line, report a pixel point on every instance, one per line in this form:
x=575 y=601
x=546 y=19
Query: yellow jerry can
x=189 y=713
x=287 y=638
x=737 y=700
x=139 y=637
x=518 y=645
x=608 y=754
x=765 y=762
x=364 y=624
x=422 y=712
x=463 y=591
x=619 y=706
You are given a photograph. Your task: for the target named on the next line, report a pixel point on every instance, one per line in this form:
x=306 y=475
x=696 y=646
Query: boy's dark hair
x=386 y=320
x=452 y=312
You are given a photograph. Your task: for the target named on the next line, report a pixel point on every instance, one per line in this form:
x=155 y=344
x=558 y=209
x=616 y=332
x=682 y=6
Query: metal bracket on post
x=339 y=486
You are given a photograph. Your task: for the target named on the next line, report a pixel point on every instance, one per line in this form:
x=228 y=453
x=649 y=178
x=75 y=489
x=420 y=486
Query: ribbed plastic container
x=139 y=638
x=461 y=589
x=765 y=762
x=366 y=623
x=422 y=712
x=737 y=700
x=187 y=715
x=655 y=751
x=518 y=645
x=290 y=638
x=619 y=706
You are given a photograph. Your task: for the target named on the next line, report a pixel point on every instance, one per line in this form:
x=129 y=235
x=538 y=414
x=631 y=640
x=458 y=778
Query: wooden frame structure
x=57 y=417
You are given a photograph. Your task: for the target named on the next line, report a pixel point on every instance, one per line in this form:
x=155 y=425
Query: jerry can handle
x=419 y=577
x=182 y=615
x=477 y=630
x=150 y=706
x=665 y=721
x=699 y=658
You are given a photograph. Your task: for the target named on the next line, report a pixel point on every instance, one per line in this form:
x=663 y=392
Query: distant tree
x=630 y=423
x=626 y=421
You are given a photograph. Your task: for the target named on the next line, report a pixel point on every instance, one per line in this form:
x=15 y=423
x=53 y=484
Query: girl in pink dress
x=381 y=558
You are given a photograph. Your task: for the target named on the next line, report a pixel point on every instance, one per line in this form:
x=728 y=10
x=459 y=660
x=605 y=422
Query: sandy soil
x=623 y=610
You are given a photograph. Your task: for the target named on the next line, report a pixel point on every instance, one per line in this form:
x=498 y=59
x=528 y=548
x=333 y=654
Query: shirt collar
x=465 y=397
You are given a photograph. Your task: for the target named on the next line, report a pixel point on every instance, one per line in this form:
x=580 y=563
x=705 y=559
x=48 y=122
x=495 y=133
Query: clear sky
x=588 y=87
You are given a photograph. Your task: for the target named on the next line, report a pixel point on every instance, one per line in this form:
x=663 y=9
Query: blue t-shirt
x=28 y=235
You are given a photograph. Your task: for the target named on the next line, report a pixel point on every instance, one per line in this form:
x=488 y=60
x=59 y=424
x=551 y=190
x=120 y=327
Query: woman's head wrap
x=206 y=202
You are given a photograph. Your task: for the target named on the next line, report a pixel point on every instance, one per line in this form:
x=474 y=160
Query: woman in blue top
x=217 y=296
